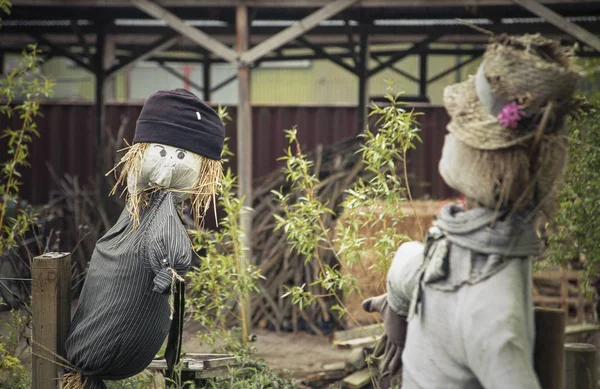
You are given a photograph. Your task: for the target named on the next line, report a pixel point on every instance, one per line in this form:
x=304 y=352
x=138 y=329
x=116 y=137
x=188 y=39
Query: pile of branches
x=338 y=168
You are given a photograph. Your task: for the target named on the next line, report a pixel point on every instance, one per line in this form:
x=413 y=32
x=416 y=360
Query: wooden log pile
x=338 y=167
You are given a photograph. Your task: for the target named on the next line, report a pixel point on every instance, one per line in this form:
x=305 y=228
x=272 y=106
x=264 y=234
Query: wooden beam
x=161 y=45
x=395 y=69
x=244 y=159
x=569 y=27
x=295 y=31
x=180 y=76
x=204 y=40
x=363 y=80
x=417 y=47
x=423 y=75
x=206 y=78
x=452 y=69
x=319 y=51
x=51 y=306
x=288 y=3
x=84 y=62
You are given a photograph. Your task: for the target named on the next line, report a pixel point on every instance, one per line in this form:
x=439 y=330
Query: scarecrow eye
x=163 y=152
x=180 y=154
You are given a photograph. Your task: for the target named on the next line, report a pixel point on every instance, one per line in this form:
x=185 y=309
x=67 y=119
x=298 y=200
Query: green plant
x=26 y=84
x=577 y=232
x=376 y=201
x=12 y=373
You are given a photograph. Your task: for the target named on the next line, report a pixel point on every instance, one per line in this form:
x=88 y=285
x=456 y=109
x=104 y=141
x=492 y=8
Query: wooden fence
x=562 y=289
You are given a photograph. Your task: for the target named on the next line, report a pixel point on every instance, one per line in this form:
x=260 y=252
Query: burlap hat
x=502 y=105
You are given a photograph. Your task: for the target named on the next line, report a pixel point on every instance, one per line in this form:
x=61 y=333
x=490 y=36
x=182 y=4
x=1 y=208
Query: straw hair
x=73 y=381
x=202 y=193
x=530 y=70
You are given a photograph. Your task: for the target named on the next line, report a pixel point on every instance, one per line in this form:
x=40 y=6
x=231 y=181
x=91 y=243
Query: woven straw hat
x=527 y=72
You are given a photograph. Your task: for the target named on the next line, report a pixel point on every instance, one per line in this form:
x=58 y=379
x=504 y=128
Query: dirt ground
x=300 y=354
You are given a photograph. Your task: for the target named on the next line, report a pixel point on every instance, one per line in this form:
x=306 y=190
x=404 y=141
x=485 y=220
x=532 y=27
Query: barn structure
x=361 y=36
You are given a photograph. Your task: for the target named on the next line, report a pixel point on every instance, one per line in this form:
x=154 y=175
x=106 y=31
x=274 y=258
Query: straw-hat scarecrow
x=126 y=305
x=465 y=295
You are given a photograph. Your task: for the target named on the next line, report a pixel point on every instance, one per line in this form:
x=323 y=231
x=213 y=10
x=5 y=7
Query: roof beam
x=396 y=69
x=84 y=62
x=156 y=48
x=180 y=76
x=569 y=27
x=293 y=32
x=453 y=69
x=319 y=51
x=197 y=36
x=417 y=47
x=286 y=3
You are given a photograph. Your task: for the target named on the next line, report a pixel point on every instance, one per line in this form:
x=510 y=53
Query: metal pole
x=206 y=77
x=363 y=80
x=244 y=156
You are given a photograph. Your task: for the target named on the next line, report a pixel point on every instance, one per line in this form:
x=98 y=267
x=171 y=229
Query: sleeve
x=496 y=331
x=403 y=276
x=172 y=253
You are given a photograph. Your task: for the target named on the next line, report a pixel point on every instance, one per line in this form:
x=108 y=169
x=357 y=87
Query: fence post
x=51 y=308
x=549 y=352
x=580 y=366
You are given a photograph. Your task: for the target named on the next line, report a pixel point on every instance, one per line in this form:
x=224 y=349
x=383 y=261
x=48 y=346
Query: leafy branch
x=370 y=202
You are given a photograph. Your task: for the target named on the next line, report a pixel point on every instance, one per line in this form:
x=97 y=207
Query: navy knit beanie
x=180 y=119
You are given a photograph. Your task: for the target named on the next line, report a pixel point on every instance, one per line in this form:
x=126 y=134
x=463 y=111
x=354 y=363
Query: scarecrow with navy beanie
x=127 y=306
x=458 y=312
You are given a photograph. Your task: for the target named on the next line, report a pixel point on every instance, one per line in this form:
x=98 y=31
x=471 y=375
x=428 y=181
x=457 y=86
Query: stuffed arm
x=172 y=255
x=394 y=305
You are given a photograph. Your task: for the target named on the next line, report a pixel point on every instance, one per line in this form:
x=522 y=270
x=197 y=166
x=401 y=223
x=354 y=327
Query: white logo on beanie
x=198 y=115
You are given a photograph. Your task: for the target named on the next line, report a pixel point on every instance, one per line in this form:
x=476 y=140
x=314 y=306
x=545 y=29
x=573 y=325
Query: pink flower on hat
x=510 y=115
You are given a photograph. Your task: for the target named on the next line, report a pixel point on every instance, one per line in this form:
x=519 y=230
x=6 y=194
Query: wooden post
x=549 y=347
x=244 y=156
x=580 y=366
x=363 y=80
x=206 y=84
x=51 y=308
x=423 y=75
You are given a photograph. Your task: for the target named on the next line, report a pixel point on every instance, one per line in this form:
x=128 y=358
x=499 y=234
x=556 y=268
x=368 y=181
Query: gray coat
x=468 y=295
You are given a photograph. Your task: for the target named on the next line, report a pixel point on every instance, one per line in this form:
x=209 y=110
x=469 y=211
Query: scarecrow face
x=166 y=167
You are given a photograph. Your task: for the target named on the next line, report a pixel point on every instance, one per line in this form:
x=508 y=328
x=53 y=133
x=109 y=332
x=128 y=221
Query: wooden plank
x=549 y=344
x=558 y=300
x=571 y=275
x=569 y=27
x=577 y=329
x=372 y=330
x=368 y=341
x=244 y=160
x=295 y=31
x=358 y=380
x=51 y=307
x=197 y=36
